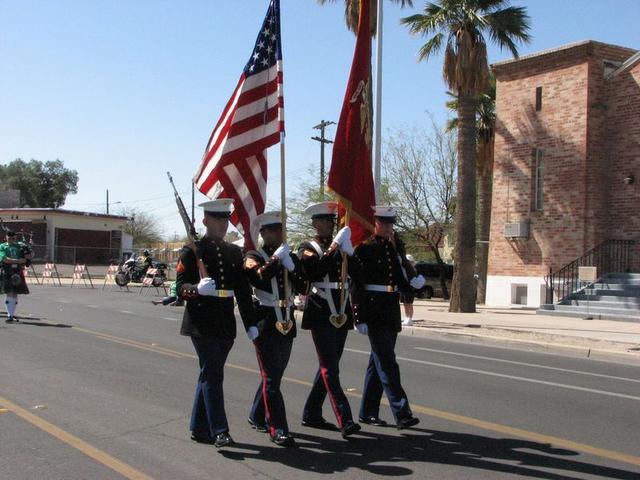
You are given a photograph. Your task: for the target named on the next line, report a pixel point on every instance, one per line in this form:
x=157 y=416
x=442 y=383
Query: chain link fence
x=76 y=255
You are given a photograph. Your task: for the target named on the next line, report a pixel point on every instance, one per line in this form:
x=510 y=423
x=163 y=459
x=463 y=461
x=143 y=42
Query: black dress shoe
x=407 y=422
x=258 y=427
x=283 y=439
x=202 y=438
x=349 y=428
x=321 y=424
x=375 y=421
x=9 y=320
x=222 y=440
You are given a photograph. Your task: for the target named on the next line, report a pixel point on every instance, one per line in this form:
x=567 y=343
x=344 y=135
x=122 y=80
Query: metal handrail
x=609 y=256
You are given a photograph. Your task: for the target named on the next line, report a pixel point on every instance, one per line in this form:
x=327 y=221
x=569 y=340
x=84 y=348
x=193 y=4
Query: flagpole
x=378 y=107
x=344 y=267
x=283 y=218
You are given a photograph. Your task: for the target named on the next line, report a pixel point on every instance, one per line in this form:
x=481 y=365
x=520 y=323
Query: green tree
x=142 y=226
x=41 y=184
x=306 y=193
x=420 y=166
x=460 y=27
x=352 y=12
x=486 y=130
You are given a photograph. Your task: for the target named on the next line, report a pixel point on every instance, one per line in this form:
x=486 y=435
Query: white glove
x=253 y=333
x=207 y=287
x=347 y=246
x=282 y=251
x=287 y=263
x=343 y=234
x=417 y=282
x=362 y=328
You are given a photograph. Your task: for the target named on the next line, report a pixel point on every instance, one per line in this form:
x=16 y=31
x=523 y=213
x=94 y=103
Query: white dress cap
x=385 y=211
x=220 y=206
x=267 y=218
x=322 y=209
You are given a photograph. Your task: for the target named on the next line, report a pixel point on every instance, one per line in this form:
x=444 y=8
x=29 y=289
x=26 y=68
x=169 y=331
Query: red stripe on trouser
x=323 y=373
x=272 y=429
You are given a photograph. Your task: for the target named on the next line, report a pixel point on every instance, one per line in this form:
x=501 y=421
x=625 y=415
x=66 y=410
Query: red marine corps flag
x=350 y=176
x=234 y=164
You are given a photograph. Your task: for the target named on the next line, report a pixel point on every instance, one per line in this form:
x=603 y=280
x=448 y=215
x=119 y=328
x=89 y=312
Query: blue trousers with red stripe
x=268 y=404
x=329 y=342
x=383 y=374
x=208 y=417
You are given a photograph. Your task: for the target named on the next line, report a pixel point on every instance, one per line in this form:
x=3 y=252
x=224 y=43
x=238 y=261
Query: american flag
x=234 y=164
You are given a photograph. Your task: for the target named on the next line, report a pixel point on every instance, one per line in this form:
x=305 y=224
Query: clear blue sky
x=123 y=90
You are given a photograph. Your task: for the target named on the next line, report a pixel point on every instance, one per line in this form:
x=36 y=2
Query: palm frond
x=507 y=27
x=432 y=46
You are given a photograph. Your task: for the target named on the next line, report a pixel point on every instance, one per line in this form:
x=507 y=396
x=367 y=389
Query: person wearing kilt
x=14 y=256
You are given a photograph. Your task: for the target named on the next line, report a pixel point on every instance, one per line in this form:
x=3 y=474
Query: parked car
x=431 y=273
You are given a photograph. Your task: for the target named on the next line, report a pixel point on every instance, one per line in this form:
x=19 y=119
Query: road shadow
x=390 y=455
x=34 y=322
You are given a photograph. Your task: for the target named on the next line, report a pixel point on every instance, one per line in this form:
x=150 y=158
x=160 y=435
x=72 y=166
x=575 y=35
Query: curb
x=588 y=352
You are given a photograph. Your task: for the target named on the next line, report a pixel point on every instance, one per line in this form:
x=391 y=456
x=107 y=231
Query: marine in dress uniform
x=209 y=276
x=266 y=270
x=378 y=276
x=328 y=315
x=14 y=256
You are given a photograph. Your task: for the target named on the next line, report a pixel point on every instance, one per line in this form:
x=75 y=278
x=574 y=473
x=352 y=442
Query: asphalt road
x=99 y=385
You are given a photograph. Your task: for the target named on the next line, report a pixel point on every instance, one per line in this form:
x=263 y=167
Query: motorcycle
x=130 y=271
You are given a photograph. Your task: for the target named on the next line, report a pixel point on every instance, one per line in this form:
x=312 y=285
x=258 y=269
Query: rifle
x=191 y=230
x=189 y=227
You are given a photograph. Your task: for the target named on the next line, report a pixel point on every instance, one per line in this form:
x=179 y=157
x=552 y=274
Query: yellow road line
x=432 y=412
x=104 y=458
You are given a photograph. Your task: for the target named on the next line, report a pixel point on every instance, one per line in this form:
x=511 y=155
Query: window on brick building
x=538 y=180
x=538 y=99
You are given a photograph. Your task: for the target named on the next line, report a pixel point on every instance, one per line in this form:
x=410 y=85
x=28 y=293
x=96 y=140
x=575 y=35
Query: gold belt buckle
x=283 y=303
x=390 y=289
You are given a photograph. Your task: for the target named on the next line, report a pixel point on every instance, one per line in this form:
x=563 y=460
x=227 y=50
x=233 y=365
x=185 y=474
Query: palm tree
x=485 y=112
x=460 y=26
x=352 y=12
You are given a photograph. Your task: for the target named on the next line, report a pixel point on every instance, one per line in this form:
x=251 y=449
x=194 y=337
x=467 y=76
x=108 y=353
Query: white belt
x=223 y=293
x=268 y=299
x=323 y=289
x=381 y=288
x=330 y=285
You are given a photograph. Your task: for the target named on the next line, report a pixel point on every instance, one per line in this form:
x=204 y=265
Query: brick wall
x=622 y=155
x=573 y=128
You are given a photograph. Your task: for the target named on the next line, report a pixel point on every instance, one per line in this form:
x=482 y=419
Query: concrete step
x=604 y=298
x=631 y=304
x=623 y=275
x=622 y=281
x=602 y=312
x=626 y=292
x=633 y=289
x=582 y=313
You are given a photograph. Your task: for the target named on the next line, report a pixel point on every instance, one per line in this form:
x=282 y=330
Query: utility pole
x=322 y=126
x=107 y=201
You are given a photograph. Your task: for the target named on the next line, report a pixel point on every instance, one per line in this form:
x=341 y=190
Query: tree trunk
x=463 y=291
x=485 y=185
x=443 y=273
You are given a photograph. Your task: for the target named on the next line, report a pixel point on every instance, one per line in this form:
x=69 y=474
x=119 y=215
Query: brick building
x=567 y=163
x=69 y=236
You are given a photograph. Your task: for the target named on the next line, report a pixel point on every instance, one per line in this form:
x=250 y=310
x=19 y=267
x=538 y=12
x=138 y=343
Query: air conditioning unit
x=516 y=230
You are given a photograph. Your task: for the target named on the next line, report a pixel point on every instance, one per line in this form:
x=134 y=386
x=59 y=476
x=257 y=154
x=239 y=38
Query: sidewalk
x=525 y=326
